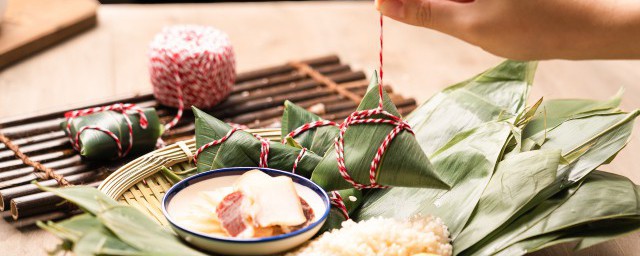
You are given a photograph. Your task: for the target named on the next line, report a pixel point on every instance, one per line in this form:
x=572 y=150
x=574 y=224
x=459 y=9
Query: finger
x=443 y=15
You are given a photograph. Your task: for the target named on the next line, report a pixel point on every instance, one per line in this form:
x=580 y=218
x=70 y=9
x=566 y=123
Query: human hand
x=531 y=29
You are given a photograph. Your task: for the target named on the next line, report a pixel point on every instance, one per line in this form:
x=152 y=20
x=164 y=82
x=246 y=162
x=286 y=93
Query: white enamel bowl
x=178 y=195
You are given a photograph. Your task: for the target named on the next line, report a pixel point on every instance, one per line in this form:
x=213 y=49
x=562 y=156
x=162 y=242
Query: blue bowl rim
x=296 y=178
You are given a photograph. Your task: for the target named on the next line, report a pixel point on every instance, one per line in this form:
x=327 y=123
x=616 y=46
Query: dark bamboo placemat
x=256 y=101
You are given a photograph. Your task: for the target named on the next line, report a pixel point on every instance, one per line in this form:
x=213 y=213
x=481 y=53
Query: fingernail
x=391 y=8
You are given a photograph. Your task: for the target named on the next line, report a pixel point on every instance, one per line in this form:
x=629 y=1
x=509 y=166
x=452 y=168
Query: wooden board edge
x=36 y=46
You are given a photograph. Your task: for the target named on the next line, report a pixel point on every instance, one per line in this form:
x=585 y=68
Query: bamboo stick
x=10 y=193
x=306 y=84
x=39 y=203
x=271 y=101
x=277 y=111
x=260 y=73
x=285 y=78
x=30 y=149
x=28 y=222
x=44 y=158
x=36 y=138
x=291 y=86
x=32 y=176
x=57 y=163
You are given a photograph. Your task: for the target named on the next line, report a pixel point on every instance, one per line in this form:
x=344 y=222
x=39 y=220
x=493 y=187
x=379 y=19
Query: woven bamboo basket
x=141 y=184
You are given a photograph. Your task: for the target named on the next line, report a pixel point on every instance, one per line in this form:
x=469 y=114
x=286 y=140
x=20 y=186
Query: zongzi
x=108 y=132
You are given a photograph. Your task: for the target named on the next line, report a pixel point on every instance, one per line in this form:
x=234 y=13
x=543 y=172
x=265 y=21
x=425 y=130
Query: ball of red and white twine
x=191 y=65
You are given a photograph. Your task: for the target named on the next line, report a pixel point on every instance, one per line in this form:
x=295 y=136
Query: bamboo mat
x=256 y=101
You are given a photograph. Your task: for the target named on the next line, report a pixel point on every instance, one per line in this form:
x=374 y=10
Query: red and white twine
x=295 y=163
x=264 y=151
x=381 y=43
x=118 y=107
x=336 y=200
x=306 y=127
x=213 y=143
x=264 y=147
x=191 y=65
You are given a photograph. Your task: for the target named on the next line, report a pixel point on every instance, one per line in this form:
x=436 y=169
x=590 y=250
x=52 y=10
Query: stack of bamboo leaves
x=506 y=179
x=522 y=178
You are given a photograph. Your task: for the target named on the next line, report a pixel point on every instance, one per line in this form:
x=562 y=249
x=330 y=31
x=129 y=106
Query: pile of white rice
x=382 y=236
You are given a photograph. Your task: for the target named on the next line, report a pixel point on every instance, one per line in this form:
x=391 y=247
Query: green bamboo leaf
x=506 y=85
x=526 y=116
x=137 y=230
x=530 y=245
x=554 y=112
x=515 y=144
x=73 y=228
x=586 y=143
x=582 y=205
x=596 y=195
x=585 y=236
x=515 y=183
x=499 y=93
x=318 y=140
x=292 y=143
x=469 y=160
x=97 y=145
x=404 y=164
x=128 y=225
x=501 y=237
x=103 y=243
x=243 y=149
x=595 y=234
x=87 y=198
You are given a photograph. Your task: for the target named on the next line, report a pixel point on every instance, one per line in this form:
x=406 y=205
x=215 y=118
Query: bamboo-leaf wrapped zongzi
x=237 y=148
x=403 y=163
x=114 y=131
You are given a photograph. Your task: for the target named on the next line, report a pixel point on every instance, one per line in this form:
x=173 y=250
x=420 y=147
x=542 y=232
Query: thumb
x=436 y=14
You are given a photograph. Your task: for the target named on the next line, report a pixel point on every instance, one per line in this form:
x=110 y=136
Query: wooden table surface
x=111 y=60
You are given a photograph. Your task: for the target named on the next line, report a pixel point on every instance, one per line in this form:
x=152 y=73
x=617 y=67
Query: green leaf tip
x=374 y=81
x=514 y=69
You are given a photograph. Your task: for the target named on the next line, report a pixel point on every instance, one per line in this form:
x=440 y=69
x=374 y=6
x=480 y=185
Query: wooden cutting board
x=30 y=26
